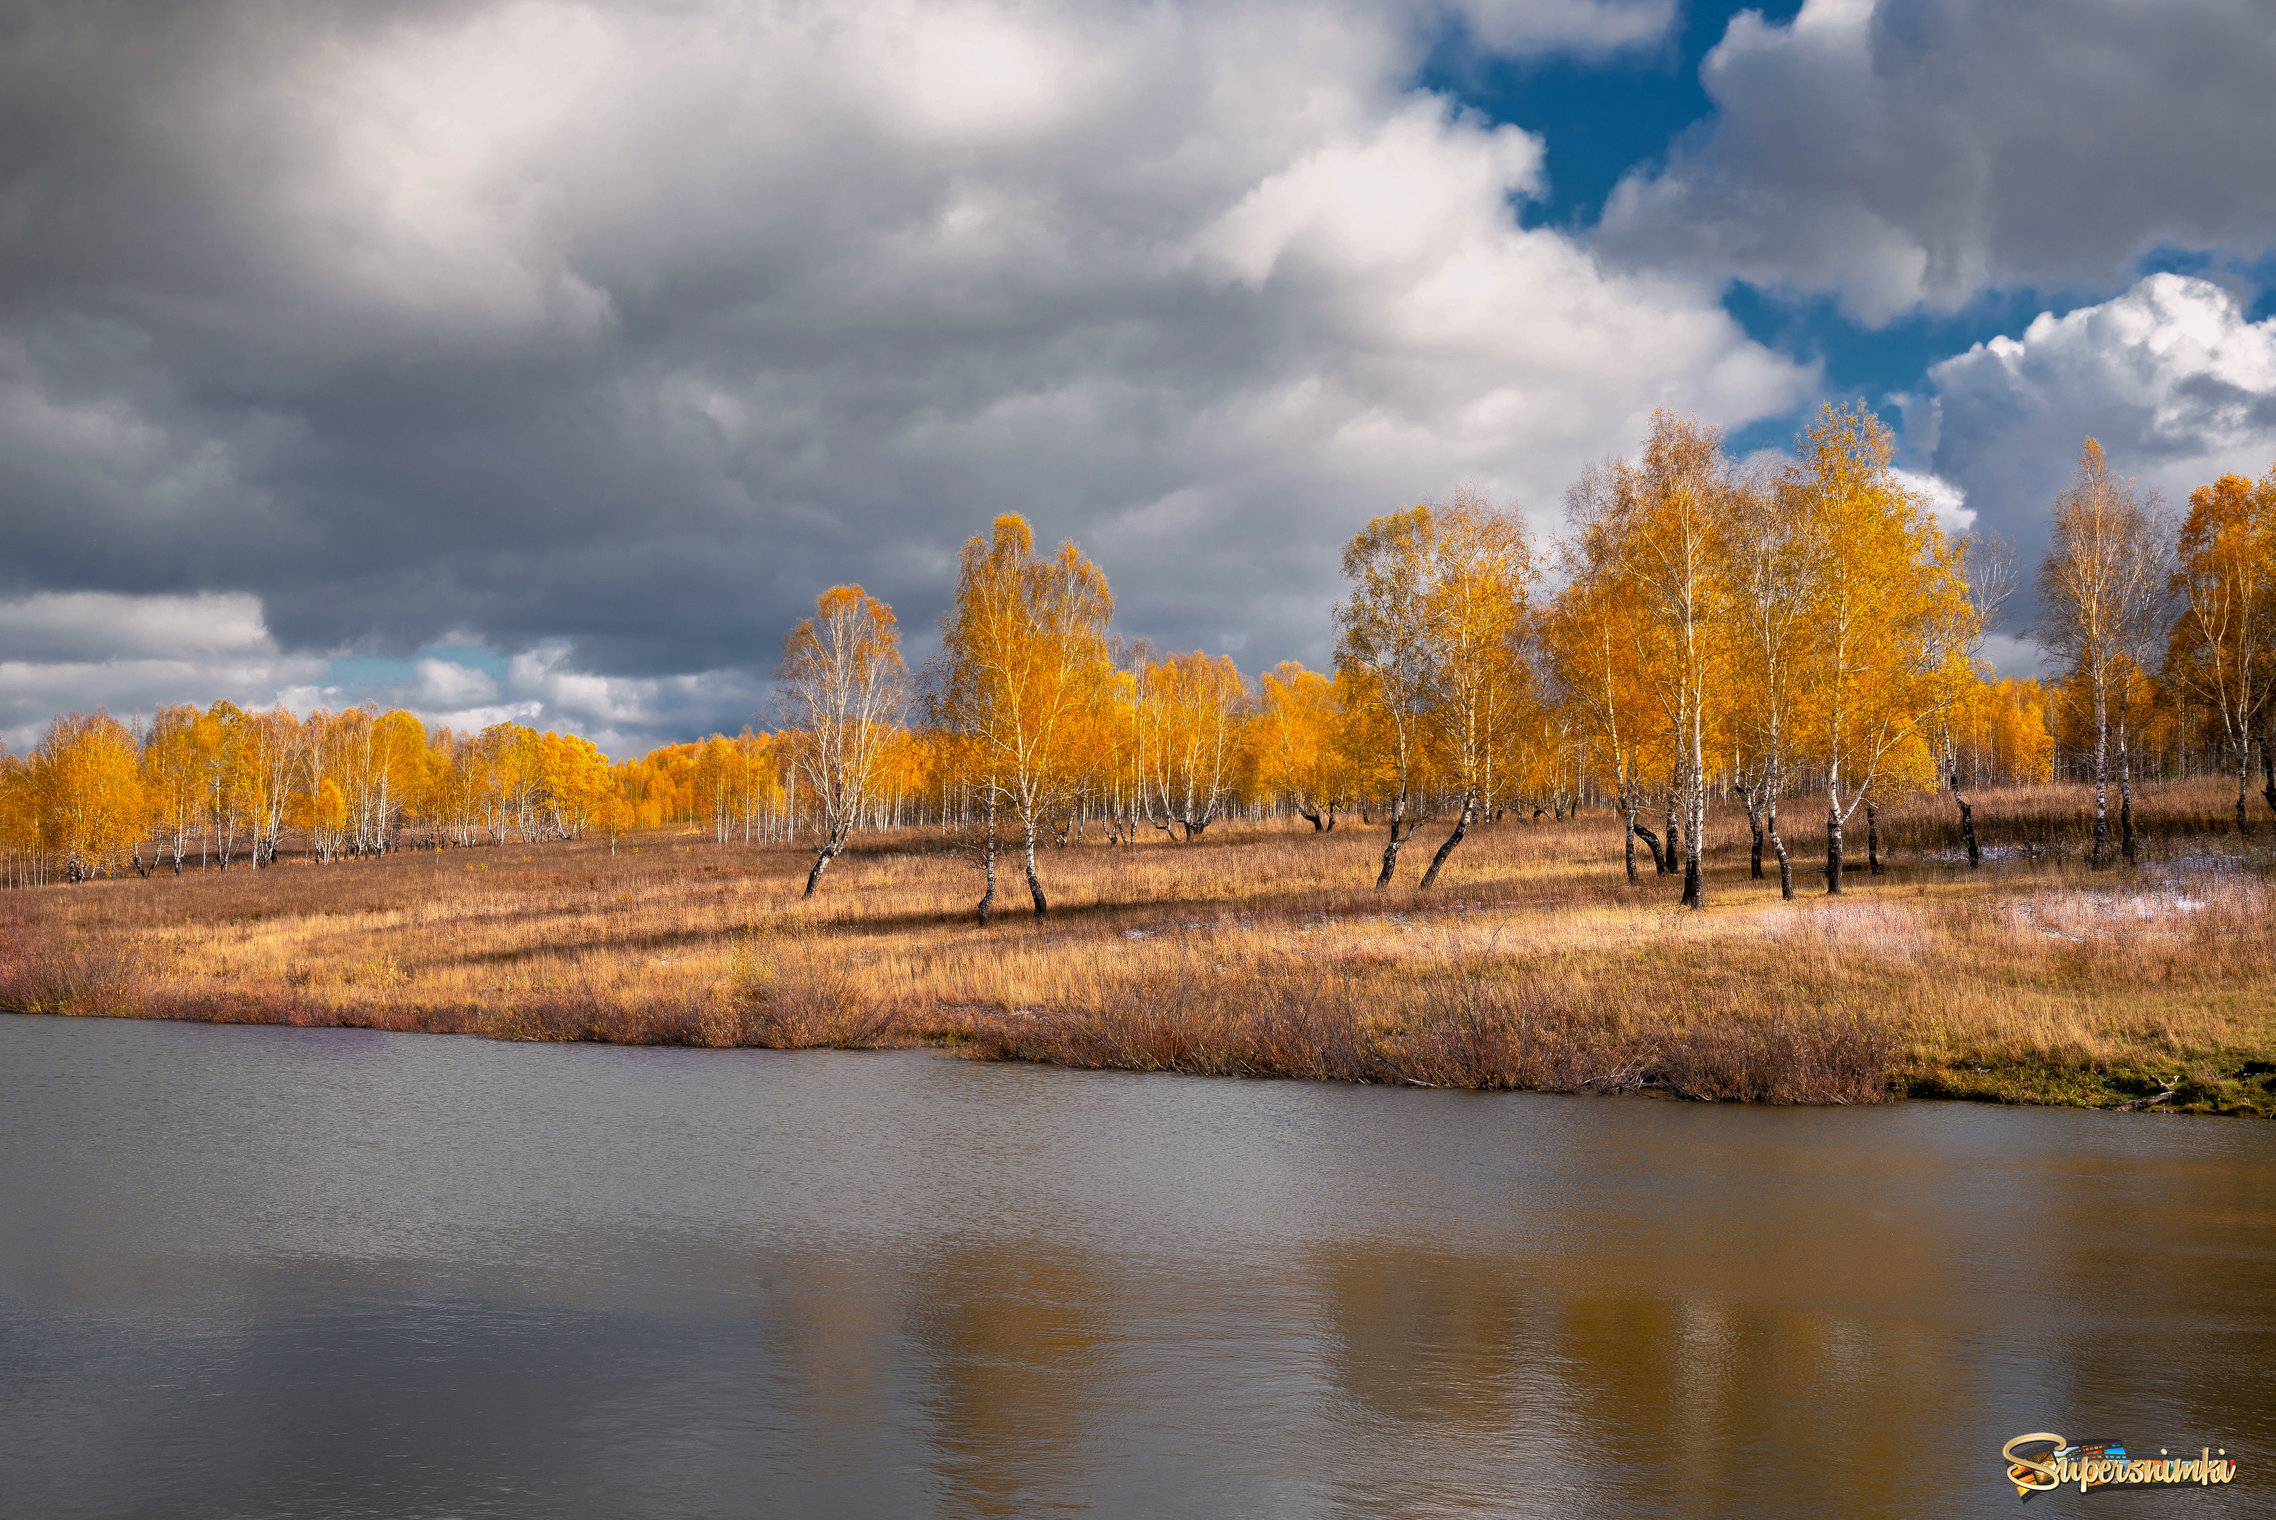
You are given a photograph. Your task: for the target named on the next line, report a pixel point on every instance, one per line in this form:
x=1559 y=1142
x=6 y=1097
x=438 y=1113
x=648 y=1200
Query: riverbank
x=1264 y=952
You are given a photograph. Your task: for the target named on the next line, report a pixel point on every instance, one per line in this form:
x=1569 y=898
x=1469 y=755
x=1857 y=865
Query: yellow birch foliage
x=1297 y=753
x=1190 y=711
x=1596 y=641
x=1889 y=624
x=87 y=795
x=1025 y=676
x=1475 y=629
x=574 y=776
x=2001 y=734
x=2221 y=651
x=175 y=758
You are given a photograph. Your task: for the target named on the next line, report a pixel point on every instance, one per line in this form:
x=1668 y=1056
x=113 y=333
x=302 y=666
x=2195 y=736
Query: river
x=277 y=1272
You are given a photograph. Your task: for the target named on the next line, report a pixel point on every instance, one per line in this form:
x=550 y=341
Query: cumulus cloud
x=130 y=655
x=626 y=329
x=447 y=686
x=2172 y=377
x=1947 y=503
x=1584 y=26
x=84 y=650
x=1912 y=153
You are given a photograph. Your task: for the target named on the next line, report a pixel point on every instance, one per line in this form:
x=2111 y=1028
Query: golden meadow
x=1261 y=950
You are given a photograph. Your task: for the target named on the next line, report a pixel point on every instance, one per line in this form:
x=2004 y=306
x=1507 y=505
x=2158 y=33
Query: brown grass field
x=1264 y=952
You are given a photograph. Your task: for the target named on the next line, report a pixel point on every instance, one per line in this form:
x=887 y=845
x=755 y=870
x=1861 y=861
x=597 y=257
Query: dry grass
x=1264 y=953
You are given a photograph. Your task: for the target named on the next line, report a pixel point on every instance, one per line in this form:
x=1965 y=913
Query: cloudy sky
x=544 y=359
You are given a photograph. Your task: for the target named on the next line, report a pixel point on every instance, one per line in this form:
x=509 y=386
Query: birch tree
x=1022 y=680
x=1298 y=756
x=2102 y=571
x=1887 y=623
x=1987 y=564
x=846 y=688
x=267 y=758
x=1385 y=646
x=1592 y=645
x=575 y=784
x=87 y=779
x=1190 y=709
x=1773 y=576
x=1475 y=625
x=1667 y=512
x=394 y=777
x=172 y=770
x=2221 y=652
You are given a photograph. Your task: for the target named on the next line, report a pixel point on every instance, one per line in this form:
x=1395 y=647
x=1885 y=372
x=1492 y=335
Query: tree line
x=1702 y=633
x=223 y=786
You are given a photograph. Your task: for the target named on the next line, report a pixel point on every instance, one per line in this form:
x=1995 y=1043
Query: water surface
x=275 y=1272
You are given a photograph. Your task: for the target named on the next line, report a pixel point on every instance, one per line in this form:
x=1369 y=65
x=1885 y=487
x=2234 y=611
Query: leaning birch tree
x=845 y=689
x=1592 y=649
x=1384 y=647
x=1475 y=627
x=1987 y=564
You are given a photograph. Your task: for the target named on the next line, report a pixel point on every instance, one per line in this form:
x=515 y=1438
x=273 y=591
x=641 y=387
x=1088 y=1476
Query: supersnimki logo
x=2104 y=1465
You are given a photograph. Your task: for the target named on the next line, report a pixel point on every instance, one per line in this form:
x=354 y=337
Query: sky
x=542 y=360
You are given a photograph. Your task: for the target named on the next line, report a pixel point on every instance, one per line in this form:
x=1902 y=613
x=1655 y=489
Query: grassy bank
x=1534 y=965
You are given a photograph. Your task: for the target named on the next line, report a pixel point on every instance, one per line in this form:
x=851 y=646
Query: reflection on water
x=1014 y=1349
x=281 y=1272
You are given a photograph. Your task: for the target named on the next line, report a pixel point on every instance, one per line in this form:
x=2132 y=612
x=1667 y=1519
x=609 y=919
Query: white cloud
x=1421 y=182
x=469 y=720
x=1585 y=26
x=973 y=73
x=1947 y=503
x=624 y=714
x=1912 y=153
x=447 y=685
x=2171 y=377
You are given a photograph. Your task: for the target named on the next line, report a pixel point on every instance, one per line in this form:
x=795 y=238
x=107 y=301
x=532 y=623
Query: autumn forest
x=1720 y=686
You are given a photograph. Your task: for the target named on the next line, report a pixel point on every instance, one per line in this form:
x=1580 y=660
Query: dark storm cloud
x=609 y=335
